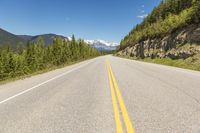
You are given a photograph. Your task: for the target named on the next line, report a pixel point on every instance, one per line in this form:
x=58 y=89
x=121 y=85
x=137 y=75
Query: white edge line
x=58 y=76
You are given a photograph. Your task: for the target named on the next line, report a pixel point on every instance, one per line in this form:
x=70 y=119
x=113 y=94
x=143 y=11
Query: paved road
x=100 y=96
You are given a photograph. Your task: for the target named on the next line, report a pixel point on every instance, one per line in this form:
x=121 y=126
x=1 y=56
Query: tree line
x=36 y=57
x=167 y=17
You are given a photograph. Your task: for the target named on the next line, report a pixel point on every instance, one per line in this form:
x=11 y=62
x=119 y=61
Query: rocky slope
x=181 y=44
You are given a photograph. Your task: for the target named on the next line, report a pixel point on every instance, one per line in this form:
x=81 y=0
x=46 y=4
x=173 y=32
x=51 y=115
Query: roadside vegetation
x=36 y=58
x=192 y=63
x=108 y=52
x=169 y=16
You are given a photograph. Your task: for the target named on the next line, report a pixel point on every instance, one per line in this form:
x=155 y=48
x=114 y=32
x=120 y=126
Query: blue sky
x=109 y=20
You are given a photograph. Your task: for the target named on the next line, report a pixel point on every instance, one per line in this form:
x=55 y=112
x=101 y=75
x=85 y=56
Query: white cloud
x=142 y=16
x=142 y=11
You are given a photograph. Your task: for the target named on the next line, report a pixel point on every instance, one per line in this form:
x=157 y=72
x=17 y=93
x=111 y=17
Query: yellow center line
x=127 y=121
x=114 y=101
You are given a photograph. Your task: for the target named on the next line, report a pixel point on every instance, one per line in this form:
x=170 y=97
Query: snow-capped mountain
x=69 y=38
x=102 y=45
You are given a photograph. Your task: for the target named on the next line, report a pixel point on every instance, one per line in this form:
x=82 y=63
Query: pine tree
x=36 y=56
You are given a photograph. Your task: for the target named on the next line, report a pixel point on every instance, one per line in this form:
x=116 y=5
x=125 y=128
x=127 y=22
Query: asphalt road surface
x=103 y=95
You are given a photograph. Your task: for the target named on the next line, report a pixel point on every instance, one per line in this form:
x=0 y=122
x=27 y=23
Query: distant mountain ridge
x=102 y=45
x=48 y=38
x=25 y=37
x=7 y=38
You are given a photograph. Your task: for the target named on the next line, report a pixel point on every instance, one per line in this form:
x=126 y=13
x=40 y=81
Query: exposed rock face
x=178 y=45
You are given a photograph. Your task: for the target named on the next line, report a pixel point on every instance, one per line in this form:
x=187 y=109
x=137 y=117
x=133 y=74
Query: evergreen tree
x=36 y=56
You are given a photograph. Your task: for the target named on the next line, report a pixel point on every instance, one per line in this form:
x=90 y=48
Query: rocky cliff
x=180 y=44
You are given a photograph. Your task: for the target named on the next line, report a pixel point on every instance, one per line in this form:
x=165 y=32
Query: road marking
x=127 y=121
x=58 y=76
x=115 y=107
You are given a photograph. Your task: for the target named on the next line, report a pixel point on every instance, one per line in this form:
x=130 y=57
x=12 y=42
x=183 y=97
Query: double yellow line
x=117 y=99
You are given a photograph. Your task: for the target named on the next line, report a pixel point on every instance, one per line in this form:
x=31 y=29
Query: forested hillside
x=36 y=57
x=169 y=35
x=48 y=38
x=10 y=39
x=165 y=19
x=18 y=41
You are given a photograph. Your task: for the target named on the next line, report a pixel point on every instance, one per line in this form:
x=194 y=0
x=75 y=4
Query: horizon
x=89 y=20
